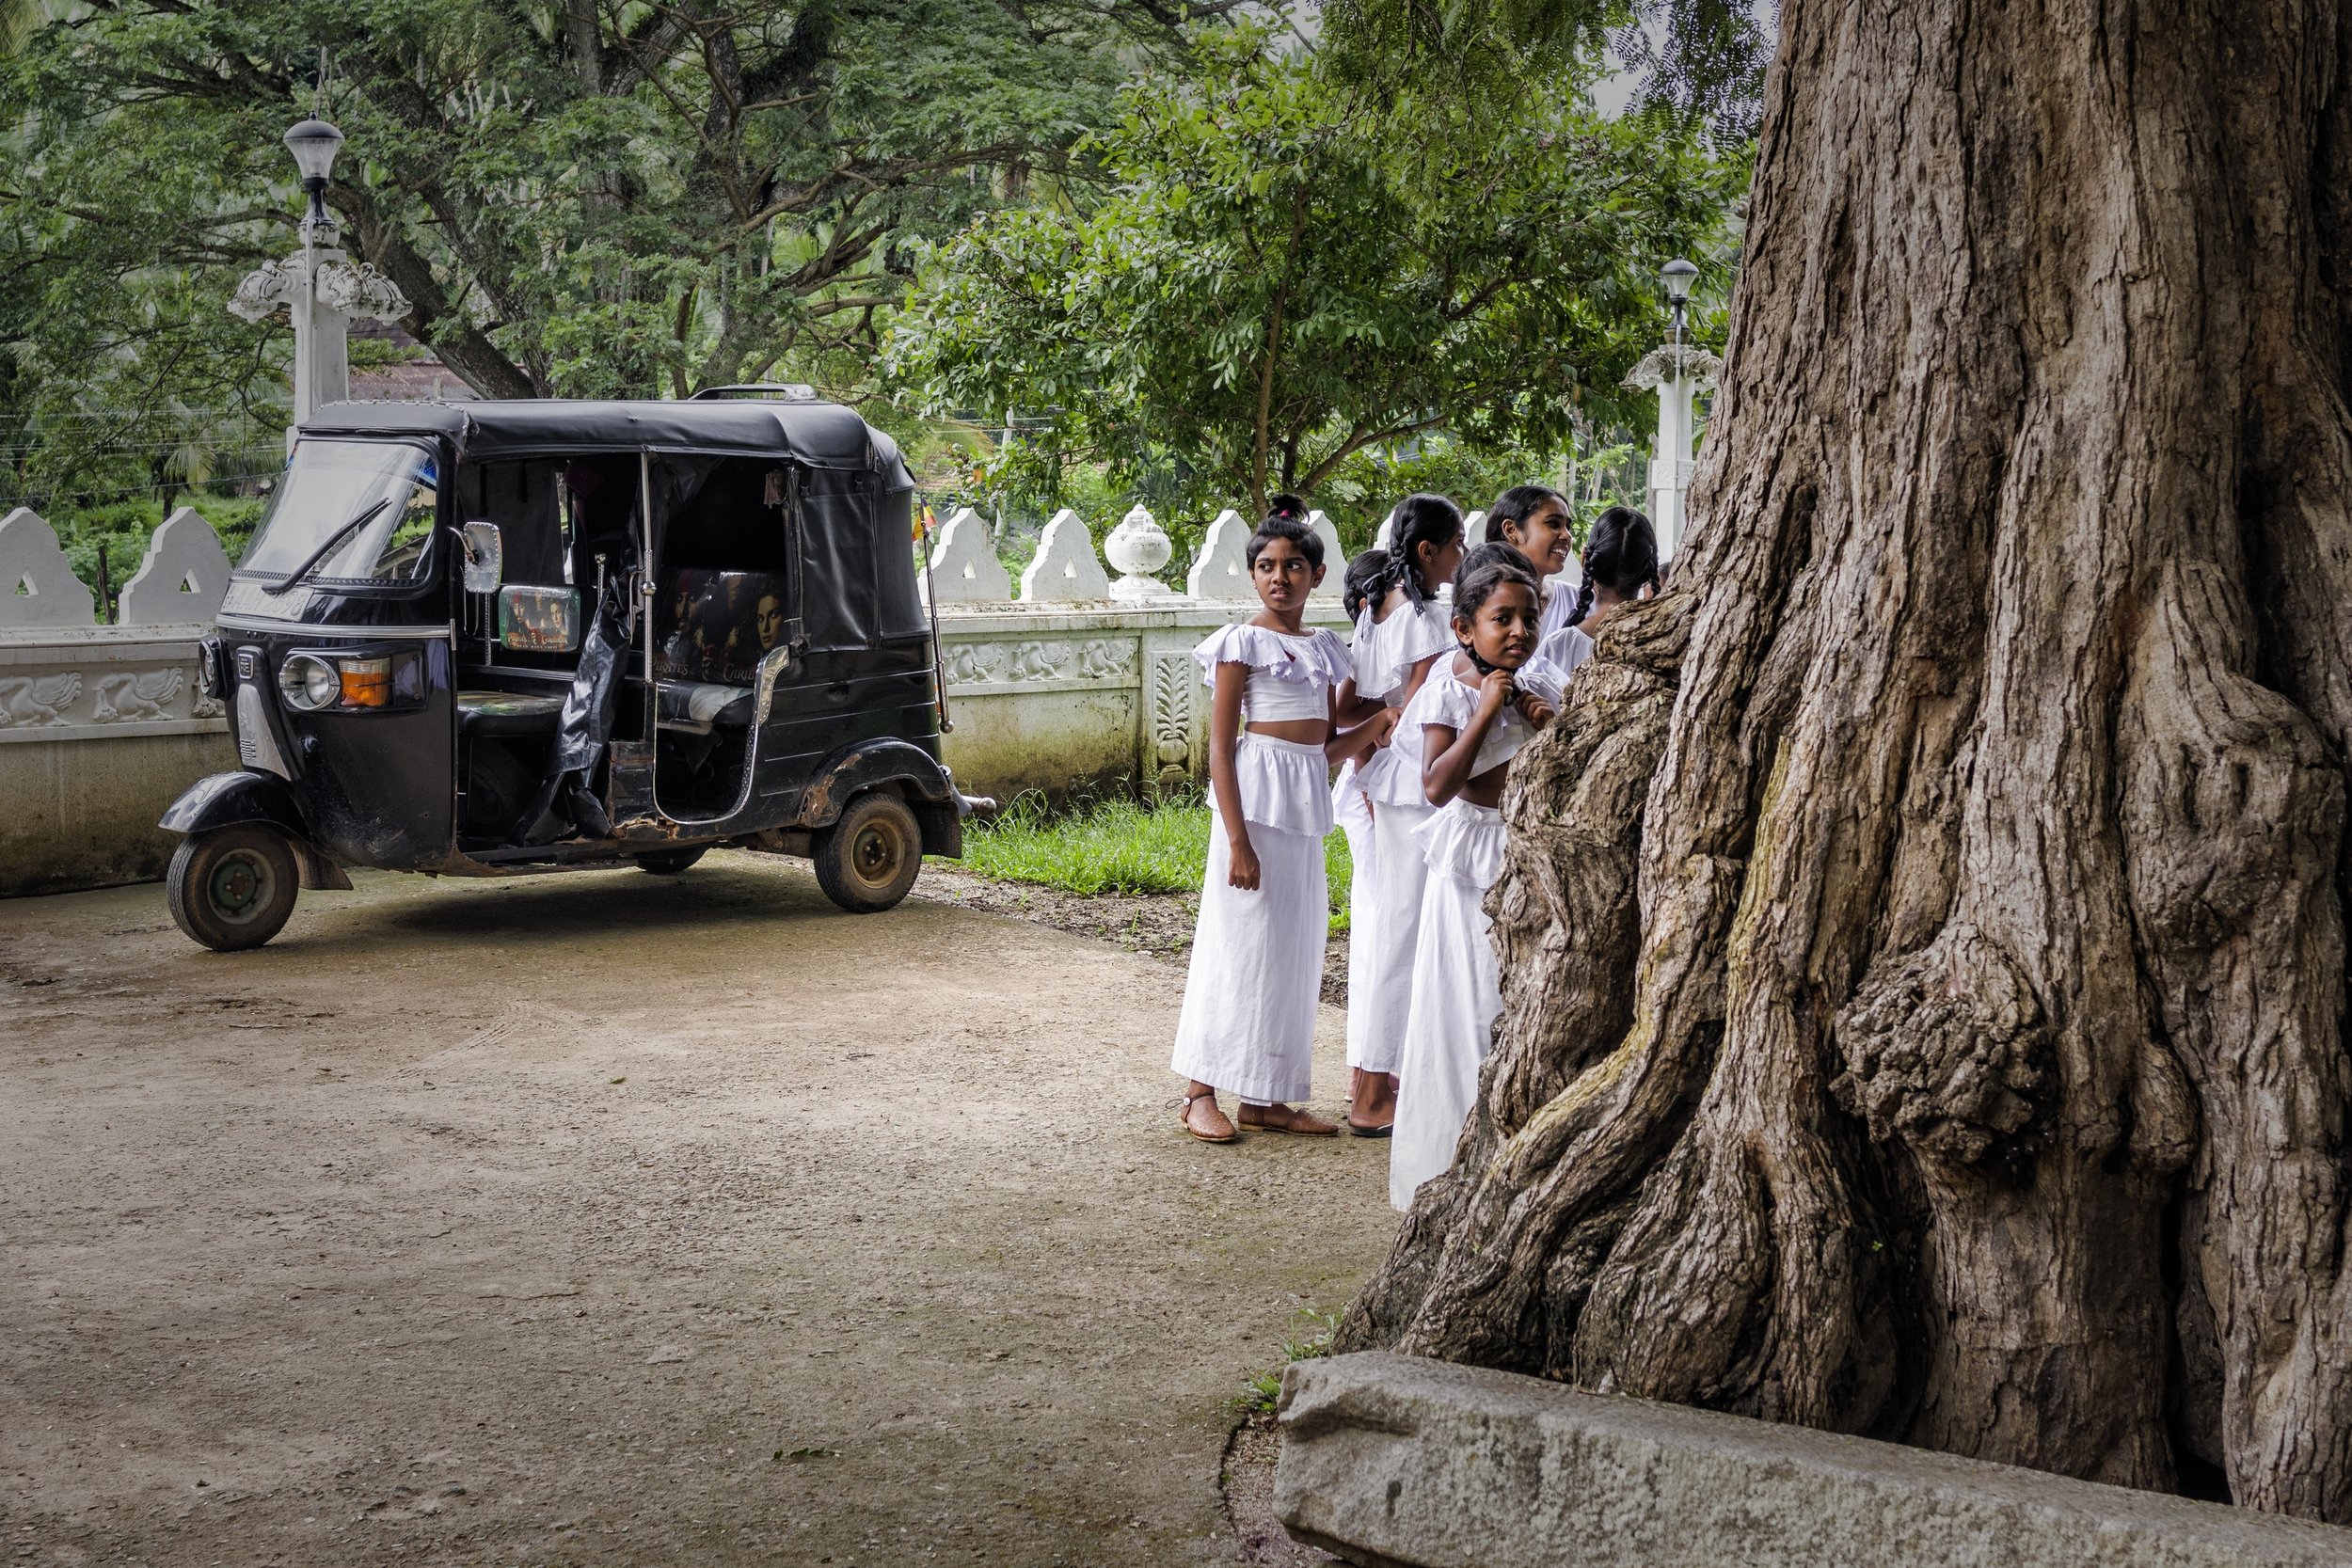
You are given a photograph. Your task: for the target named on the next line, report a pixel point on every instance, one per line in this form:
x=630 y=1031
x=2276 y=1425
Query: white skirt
x=1248 y=1023
x=1353 y=812
x=1283 y=783
x=1457 y=995
x=1380 y=962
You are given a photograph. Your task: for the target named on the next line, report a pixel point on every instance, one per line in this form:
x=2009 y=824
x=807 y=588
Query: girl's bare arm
x=1224 y=736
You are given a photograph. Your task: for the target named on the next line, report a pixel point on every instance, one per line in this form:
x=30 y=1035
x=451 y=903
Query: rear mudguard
x=224 y=799
x=913 y=771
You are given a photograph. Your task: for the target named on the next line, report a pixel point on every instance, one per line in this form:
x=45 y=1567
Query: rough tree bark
x=1922 y=935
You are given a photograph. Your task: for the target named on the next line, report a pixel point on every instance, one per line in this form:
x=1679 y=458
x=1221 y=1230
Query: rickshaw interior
x=569 y=532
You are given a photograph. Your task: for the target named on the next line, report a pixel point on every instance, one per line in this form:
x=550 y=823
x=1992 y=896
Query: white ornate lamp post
x=320 y=288
x=1677 y=371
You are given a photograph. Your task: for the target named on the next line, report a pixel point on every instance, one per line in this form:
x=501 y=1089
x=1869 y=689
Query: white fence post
x=181 y=578
x=1065 y=569
x=37 y=587
x=1222 y=569
x=965 y=569
x=1334 y=561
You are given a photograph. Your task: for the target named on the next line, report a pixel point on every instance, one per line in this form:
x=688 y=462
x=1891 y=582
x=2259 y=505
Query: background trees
x=1284 y=271
x=579 y=198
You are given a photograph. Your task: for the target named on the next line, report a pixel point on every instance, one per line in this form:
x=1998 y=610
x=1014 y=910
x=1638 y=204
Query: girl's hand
x=1494 y=691
x=1535 y=711
x=1243 y=871
x=1383 y=727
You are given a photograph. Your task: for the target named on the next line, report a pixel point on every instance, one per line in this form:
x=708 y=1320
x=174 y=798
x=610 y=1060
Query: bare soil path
x=609 y=1219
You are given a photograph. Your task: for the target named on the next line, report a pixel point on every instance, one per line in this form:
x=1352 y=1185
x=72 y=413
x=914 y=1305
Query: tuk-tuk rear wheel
x=869 y=860
x=232 y=888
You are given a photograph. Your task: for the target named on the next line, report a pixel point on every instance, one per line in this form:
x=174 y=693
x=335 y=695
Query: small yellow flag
x=925 y=521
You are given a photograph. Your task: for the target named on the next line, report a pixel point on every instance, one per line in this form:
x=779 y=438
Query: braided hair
x=1421 y=519
x=1621 y=556
x=1517 y=504
x=1367 y=575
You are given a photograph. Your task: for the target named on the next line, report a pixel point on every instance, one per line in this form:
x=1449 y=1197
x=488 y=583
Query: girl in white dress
x=1620 y=565
x=1473 y=714
x=1400 y=633
x=1532 y=519
x=1367 y=575
x=1249 y=1021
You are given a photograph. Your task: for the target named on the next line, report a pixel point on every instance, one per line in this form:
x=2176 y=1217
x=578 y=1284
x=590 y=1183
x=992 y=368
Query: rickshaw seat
x=703 y=706
x=508 y=714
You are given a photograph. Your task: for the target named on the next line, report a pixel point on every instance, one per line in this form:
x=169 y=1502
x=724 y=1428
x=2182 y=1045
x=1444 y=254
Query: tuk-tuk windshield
x=386 y=488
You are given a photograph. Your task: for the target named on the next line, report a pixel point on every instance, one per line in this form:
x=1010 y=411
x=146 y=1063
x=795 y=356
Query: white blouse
x=1386 y=651
x=1444 y=699
x=1290 y=676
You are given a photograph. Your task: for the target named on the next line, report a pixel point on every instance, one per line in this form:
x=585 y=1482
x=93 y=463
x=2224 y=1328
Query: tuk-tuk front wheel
x=232 y=888
x=867 y=861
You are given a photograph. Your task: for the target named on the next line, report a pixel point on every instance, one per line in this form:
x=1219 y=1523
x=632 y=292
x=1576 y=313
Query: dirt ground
x=609 y=1219
x=1159 y=923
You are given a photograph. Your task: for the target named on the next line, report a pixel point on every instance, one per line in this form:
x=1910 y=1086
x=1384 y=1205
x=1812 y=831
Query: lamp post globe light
x=1677 y=372
x=320 y=288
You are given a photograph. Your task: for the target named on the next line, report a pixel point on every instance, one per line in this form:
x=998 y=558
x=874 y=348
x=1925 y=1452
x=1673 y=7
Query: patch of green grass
x=1312 y=1338
x=1115 y=846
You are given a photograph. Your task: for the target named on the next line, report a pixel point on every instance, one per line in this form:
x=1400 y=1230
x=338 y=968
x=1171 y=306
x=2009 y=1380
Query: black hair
x=1491 y=551
x=1621 y=556
x=1517 y=504
x=1421 y=519
x=1286 y=505
x=1477 y=583
x=1474 y=585
x=1366 y=574
x=1310 y=543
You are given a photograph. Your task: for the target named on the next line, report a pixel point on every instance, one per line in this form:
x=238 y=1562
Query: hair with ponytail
x=1621 y=556
x=1366 y=575
x=1421 y=519
x=1517 y=504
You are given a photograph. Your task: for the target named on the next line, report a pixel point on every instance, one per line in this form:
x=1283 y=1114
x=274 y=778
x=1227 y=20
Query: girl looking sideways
x=1248 y=1022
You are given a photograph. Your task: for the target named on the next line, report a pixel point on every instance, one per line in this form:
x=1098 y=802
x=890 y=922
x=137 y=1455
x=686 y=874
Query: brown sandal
x=1306 y=1124
x=1184 y=1116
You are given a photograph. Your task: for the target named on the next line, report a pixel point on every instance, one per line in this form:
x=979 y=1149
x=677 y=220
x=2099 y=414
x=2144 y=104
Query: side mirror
x=485 y=557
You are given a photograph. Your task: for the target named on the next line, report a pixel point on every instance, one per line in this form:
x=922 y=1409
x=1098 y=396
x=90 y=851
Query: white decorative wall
x=103 y=726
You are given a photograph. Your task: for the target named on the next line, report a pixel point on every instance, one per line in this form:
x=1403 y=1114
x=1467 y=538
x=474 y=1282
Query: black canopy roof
x=815 y=435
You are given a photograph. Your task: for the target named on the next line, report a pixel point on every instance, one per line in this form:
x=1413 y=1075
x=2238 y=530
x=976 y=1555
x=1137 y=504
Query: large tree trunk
x=1922 y=938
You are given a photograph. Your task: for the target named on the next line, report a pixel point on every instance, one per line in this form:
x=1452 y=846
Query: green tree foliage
x=1284 y=273
x=1701 y=62
x=578 y=197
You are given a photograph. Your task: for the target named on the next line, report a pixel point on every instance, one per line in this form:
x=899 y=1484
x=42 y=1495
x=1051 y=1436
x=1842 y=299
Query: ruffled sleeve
x=1441 y=700
x=1317 y=659
x=1544 y=678
x=1395 y=645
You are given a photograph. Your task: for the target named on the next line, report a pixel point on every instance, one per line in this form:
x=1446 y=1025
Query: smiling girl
x=1249 y=1021
x=1532 y=519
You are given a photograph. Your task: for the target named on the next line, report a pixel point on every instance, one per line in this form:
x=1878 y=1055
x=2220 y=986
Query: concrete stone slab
x=1392 y=1461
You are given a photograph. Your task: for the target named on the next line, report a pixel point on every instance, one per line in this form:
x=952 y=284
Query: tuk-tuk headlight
x=308 y=683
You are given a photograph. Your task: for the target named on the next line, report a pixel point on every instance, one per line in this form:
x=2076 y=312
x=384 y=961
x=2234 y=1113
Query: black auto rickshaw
x=484 y=639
